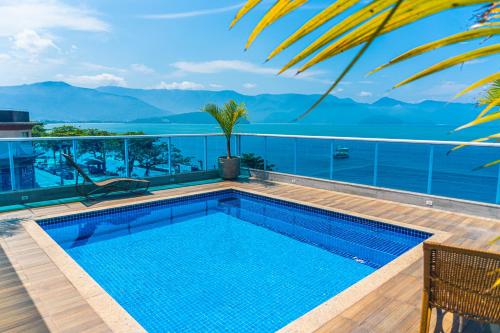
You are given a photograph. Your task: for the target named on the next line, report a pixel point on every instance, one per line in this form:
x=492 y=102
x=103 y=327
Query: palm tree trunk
x=228 y=144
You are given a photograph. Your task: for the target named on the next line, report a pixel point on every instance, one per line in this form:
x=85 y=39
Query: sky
x=179 y=44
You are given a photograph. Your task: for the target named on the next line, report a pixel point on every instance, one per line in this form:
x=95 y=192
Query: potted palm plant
x=227 y=117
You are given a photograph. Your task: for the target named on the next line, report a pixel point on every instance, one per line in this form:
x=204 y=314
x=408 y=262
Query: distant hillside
x=63 y=102
x=59 y=101
x=270 y=108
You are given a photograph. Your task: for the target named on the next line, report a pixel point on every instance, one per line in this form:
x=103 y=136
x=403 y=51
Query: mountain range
x=59 y=101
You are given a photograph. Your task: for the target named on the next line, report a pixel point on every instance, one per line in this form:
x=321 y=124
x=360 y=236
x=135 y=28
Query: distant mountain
x=268 y=108
x=63 y=102
x=184 y=118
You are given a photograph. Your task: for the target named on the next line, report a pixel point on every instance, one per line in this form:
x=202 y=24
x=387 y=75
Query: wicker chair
x=459 y=281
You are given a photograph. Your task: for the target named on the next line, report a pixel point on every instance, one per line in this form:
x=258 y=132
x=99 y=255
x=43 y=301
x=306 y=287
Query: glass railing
x=410 y=165
x=37 y=163
x=425 y=167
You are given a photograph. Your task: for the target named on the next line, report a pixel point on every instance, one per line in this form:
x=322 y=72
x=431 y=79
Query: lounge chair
x=106 y=186
x=460 y=281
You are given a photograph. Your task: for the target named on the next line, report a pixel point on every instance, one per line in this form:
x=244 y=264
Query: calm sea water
x=395 y=165
x=420 y=132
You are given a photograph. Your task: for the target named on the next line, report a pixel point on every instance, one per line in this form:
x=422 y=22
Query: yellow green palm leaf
x=490 y=106
x=474 y=54
x=480 y=83
x=279 y=9
x=249 y=5
x=409 y=12
x=330 y=12
x=478 y=121
x=491 y=137
x=453 y=39
x=348 y=23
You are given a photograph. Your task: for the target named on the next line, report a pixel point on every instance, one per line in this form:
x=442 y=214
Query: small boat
x=341 y=153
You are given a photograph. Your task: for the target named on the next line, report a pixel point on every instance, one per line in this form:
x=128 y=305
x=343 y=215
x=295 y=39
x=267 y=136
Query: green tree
x=254 y=161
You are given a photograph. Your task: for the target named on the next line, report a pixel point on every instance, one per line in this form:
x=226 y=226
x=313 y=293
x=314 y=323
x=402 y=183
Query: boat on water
x=341 y=153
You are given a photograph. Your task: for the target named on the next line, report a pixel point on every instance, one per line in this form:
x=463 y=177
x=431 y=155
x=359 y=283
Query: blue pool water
x=225 y=261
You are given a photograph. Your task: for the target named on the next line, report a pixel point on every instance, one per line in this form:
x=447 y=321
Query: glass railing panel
x=253 y=152
x=5 y=184
x=353 y=161
x=216 y=147
x=187 y=154
x=313 y=158
x=147 y=157
x=101 y=158
x=459 y=174
x=40 y=164
x=282 y=153
x=403 y=166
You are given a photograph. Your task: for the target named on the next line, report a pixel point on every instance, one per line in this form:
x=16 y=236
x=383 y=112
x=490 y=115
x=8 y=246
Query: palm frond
x=478 y=121
x=467 y=56
x=249 y=5
x=348 y=23
x=490 y=106
x=453 y=39
x=480 y=83
x=280 y=9
x=409 y=12
x=329 y=13
x=492 y=94
x=487 y=165
x=488 y=138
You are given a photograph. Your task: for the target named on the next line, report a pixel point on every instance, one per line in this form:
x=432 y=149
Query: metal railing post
x=331 y=159
x=238 y=145
x=430 y=169
x=205 y=153
x=498 y=186
x=375 y=165
x=12 y=167
x=169 y=146
x=265 y=153
x=126 y=157
x=74 y=147
x=295 y=156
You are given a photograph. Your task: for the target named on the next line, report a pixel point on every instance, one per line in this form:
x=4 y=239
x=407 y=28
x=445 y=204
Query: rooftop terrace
x=43 y=289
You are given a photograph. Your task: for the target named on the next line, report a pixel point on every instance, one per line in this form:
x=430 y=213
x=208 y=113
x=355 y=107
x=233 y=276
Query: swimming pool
x=225 y=260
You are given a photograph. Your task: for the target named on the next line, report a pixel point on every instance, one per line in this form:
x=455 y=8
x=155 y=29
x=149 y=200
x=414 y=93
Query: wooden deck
x=35 y=296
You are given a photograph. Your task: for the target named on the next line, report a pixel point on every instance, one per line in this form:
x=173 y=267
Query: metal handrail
x=346 y=138
x=110 y=137
x=289 y=136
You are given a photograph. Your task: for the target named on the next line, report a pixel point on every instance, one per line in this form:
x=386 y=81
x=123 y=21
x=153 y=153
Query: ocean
x=417 y=132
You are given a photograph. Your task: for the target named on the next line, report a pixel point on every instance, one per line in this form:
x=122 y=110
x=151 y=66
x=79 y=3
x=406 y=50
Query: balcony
x=367 y=178
x=412 y=171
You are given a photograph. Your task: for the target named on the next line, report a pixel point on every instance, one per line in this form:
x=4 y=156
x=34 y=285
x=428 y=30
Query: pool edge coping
x=119 y=320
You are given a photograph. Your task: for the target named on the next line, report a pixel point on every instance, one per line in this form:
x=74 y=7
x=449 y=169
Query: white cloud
x=4 y=57
x=184 y=85
x=30 y=41
x=365 y=94
x=216 y=85
x=20 y=15
x=249 y=85
x=217 y=66
x=102 y=68
x=92 y=81
x=194 y=13
x=141 y=68
x=445 y=89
